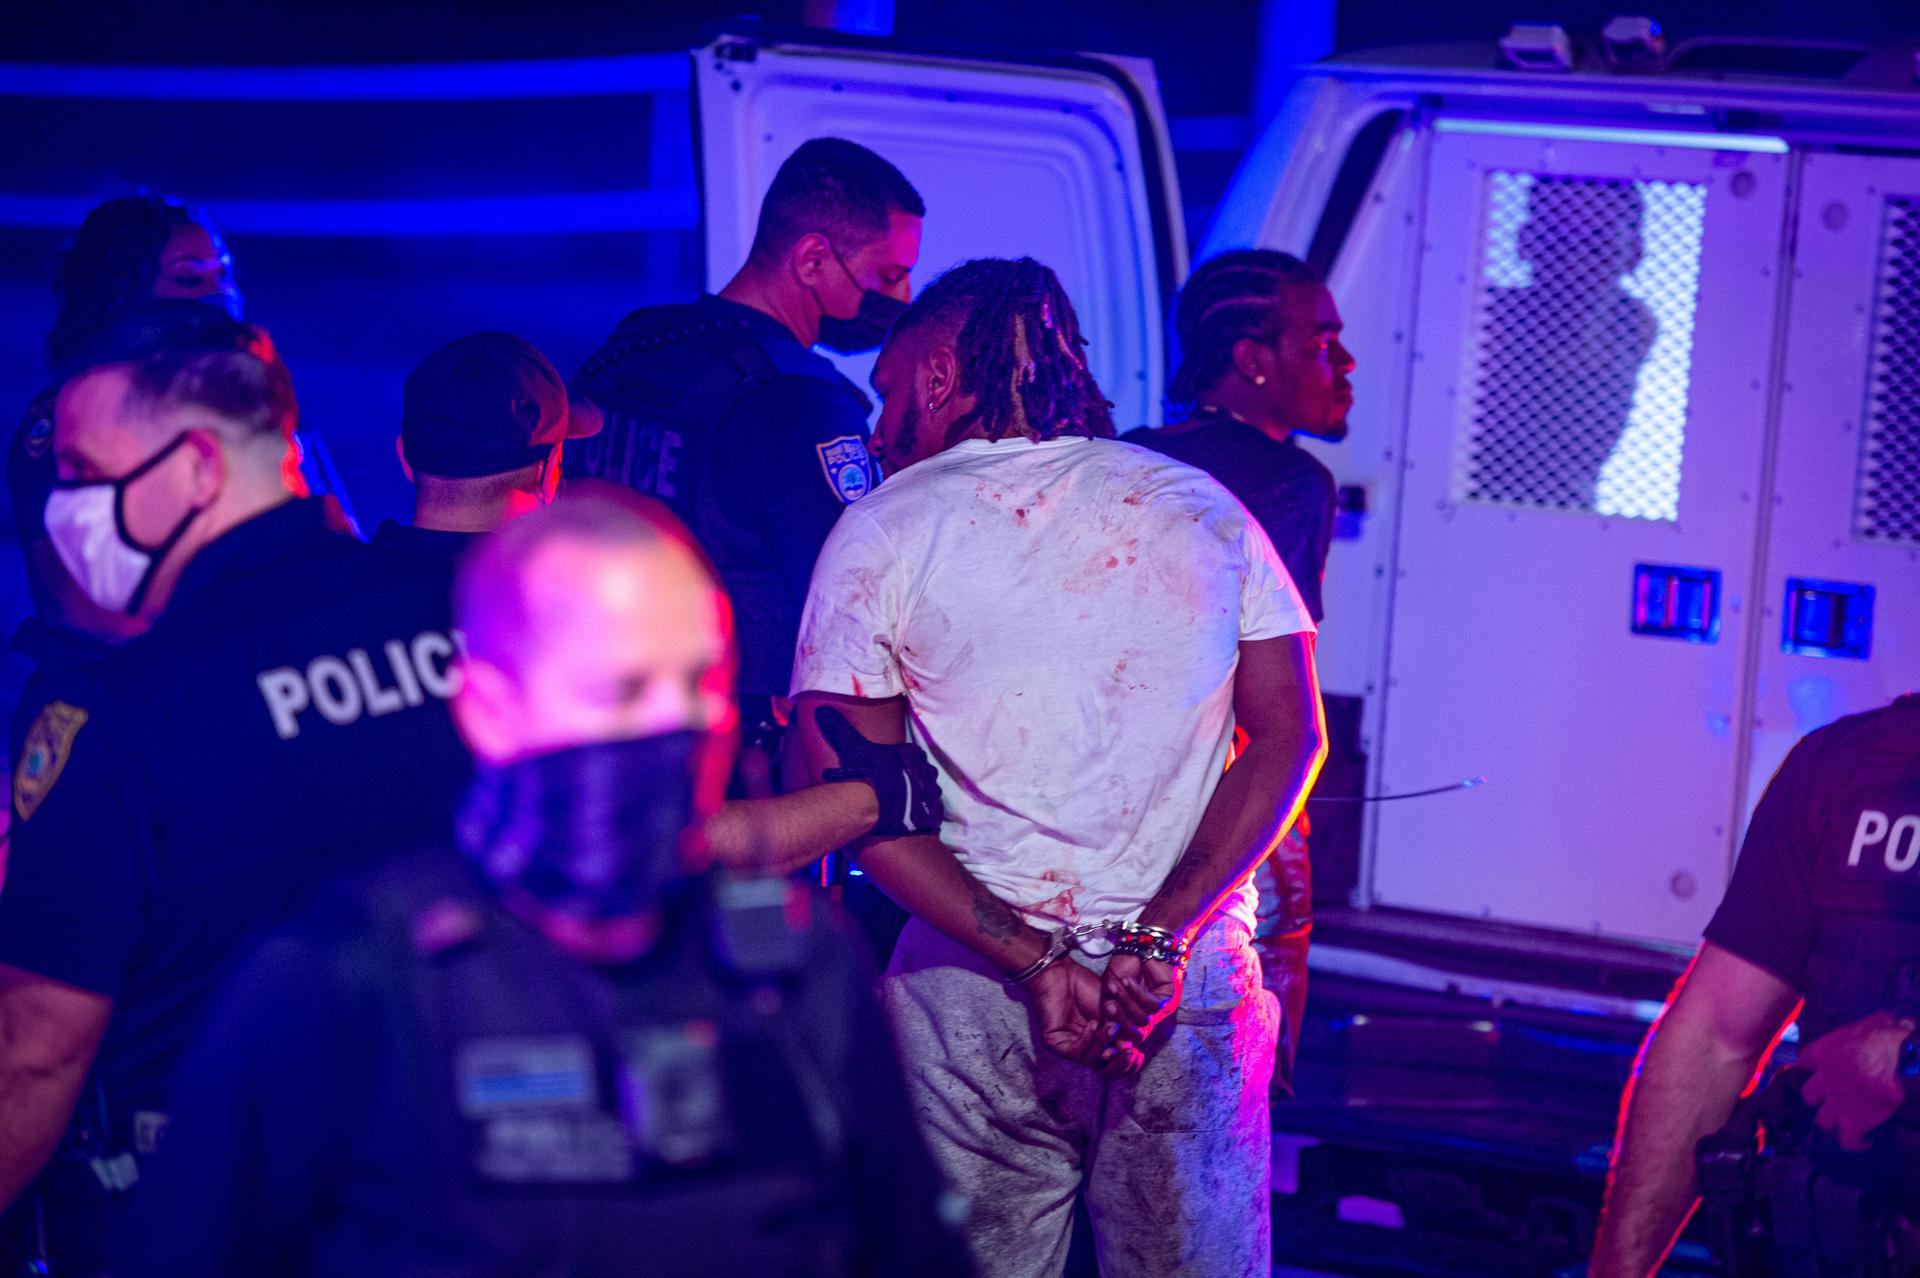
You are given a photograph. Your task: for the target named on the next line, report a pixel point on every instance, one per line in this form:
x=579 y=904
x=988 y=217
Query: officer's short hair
x=489 y=607
x=183 y=352
x=838 y=188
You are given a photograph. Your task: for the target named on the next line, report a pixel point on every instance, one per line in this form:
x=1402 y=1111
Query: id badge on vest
x=541 y=1110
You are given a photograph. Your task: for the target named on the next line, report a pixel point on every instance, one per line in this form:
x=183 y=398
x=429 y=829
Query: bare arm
x=49 y=1033
x=919 y=872
x=1276 y=700
x=1701 y=1054
x=780 y=834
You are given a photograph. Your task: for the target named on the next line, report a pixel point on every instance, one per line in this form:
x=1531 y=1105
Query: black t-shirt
x=284 y=719
x=755 y=441
x=1826 y=895
x=411 y=1082
x=1280 y=484
x=431 y=554
x=434 y=549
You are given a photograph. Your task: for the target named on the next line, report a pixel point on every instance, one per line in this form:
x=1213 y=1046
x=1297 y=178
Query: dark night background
x=355 y=303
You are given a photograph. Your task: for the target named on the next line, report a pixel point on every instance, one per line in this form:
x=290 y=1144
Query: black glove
x=902 y=778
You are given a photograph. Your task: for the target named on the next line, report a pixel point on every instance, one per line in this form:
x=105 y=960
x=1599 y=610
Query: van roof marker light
x=1751 y=142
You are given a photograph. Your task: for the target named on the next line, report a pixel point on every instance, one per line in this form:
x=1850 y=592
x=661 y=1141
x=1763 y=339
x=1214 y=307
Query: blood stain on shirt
x=1061 y=905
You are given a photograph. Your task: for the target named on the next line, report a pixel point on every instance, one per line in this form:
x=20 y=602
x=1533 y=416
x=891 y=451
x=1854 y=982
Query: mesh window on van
x=1581 y=344
x=1888 y=505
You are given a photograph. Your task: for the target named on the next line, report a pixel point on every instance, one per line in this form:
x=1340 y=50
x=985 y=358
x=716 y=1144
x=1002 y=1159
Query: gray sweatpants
x=1174 y=1159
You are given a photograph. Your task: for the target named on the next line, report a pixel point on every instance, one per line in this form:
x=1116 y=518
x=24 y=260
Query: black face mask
x=869 y=326
x=593 y=832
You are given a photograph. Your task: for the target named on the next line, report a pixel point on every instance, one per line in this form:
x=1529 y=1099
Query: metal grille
x=1581 y=345
x=1888 y=506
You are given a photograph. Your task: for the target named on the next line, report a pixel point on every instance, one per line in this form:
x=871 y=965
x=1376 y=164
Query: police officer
x=480 y=436
x=1824 y=906
x=284 y=715
x=720 y=409
x=482 y=423
x=547 y=1041
x=1261 y=362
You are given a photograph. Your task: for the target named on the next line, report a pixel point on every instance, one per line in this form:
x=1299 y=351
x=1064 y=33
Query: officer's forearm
x=48 y=1036
x=924 y=878
x=783 y=833
x=1684 y=1089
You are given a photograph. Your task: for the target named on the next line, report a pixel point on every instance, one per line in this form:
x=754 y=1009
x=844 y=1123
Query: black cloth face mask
x=869 y=326
x=593 y=832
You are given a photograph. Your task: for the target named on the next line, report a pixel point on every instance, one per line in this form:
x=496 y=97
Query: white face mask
x=87 y=523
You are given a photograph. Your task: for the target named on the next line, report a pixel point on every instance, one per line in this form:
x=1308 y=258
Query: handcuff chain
x=1062 y=939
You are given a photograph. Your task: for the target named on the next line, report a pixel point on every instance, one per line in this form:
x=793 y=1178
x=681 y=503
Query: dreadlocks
x=1235 y=295
x=1020 y=351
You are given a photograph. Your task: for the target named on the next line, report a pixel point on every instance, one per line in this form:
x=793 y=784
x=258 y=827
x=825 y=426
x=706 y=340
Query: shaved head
x=490 y=594
x=595 y=619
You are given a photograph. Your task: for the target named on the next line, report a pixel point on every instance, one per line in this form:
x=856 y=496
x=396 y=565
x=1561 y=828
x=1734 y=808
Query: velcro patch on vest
x=676 y=1089
x=534 y=1103
x=44 y=755
x=848 y=468
x=519 y=1074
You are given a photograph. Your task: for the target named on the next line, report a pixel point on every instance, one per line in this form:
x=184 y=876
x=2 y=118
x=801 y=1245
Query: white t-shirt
x=1064 y=619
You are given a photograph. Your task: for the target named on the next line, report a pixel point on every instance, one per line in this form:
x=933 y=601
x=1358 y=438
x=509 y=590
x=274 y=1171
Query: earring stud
x=1260 y=379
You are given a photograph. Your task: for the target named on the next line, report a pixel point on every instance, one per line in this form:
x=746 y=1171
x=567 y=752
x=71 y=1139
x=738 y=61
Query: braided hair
x=1021 y=353
x=1233 y=296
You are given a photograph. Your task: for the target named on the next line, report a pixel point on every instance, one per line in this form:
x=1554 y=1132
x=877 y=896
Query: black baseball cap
x=484 y=405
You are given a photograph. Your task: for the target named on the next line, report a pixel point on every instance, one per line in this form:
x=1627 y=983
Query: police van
x=1632 y=494
x=1630 y=503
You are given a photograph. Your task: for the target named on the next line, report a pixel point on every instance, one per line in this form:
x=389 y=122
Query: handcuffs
x=1112 y=936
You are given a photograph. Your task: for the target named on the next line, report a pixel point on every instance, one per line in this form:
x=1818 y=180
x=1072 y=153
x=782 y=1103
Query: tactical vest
x=548 y=1101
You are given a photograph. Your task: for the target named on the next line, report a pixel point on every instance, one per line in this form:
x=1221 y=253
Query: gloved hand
x=903 y=780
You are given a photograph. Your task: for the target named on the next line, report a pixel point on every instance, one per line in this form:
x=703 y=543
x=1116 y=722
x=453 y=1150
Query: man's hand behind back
x=1137 y=995
x=1066 y=1000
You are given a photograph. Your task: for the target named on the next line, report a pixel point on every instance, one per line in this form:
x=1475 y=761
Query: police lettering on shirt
x=645 y=453
x=1896 y=840
x=341 y=689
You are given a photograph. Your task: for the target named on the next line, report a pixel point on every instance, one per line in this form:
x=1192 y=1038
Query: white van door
x=1840 y=627
x=1065 y=160
x=1586 y=431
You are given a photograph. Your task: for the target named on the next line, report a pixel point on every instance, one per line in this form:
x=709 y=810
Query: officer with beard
x=721 y=409
x=553 y=1043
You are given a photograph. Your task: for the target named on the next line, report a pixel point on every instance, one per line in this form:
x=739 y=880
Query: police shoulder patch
x=44 y=755
x=848 y=469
